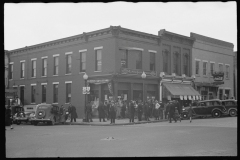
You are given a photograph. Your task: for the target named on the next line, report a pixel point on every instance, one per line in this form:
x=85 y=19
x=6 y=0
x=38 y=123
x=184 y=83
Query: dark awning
x=177 y=89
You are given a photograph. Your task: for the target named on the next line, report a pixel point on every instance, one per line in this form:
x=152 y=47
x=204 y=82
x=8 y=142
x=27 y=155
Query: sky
x=27 y=24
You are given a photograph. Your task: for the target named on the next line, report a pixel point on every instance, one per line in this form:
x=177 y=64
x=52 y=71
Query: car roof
x=211 y=100
x=228 y=100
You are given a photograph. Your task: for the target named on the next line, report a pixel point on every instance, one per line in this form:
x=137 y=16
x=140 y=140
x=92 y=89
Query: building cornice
x=211 y=40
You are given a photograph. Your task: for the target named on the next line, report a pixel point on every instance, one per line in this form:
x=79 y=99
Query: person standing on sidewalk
x=123 y=109
x=8 y=117
x=106 y=109
x=89 y=112
x=190 y=112
x=131 y=111
x=146 y=111
x=73 y=113
x=161 y=108
x=171 y=112
x=140 y=110
x=101 y=112
x=156 y=110
x=113 y=111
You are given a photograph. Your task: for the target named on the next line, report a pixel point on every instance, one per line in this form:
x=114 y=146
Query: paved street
x=202 y=137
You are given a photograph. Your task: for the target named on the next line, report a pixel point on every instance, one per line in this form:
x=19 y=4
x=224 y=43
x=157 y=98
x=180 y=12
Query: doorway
x=22 y=94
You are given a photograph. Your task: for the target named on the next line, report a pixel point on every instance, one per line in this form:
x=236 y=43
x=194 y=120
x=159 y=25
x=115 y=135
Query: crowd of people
x=135 y=109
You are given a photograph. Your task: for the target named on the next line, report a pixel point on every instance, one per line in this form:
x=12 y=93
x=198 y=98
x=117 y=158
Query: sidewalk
x=117 y=122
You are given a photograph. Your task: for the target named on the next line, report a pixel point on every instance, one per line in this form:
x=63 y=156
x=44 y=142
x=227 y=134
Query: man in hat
x=171 y=111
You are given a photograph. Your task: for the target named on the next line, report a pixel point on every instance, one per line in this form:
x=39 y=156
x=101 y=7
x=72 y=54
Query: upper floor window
x=152 y=61
x=176 y=64
x=83 y=61
x=44 y=66
x=34 y=67
x=212 y=67
x=197 y=69
x=227 y=71
x=55 y=65
x=98 y=60
x=68 y=63
x=139 y=60
x=186 y=64
x=204 y=68
x=44 y=93
x=124 y=58
x=55 y=92
x=33 y=93
x=165 y=60
x=22 y=69
x=220 y=67
x=68 y=92
x=11 y=70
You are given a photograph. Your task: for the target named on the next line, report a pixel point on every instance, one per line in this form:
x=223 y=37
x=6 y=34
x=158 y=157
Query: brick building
x=119 y=62
x=212 y=56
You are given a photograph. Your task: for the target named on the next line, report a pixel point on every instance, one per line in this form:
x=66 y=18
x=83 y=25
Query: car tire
x=232 y=113
x=216 y=114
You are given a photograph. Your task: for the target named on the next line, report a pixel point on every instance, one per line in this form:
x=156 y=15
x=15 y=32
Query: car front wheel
x=216 y=114
x=232 y=113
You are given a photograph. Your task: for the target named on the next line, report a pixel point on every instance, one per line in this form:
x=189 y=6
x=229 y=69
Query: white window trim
x=68 y=81
x=94 y=71
x=197 y=59
x=44 y=76
x=100 y=47
x=205 y=61
x=22 y=85
x=11 y=62
x=55 y=55
x=22 y=61
x=55 y=103
x=152 y=51
x=227 y=65
x=45 y=57
x=33 y=59
x=43 y=83
x=68 y=74
x=220 y=63
x=198 y=68
x=212 y=62
x=34 y=84
x=83 y=50
x=55 y=74
x=68 y=53
x=55 y=83
x=15 y=86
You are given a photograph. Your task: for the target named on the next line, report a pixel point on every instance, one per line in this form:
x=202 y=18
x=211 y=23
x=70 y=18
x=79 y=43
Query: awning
x=177 y=89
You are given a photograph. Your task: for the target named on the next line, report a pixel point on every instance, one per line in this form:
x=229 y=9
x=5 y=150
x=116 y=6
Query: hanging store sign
x=137 y=72
x=218 y=78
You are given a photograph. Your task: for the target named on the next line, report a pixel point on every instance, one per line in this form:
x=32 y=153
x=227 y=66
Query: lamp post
x=143 y=77
x=85 y=91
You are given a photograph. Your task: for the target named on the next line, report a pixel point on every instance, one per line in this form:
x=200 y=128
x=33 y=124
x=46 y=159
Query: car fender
x=217 y=109
x=231 y=109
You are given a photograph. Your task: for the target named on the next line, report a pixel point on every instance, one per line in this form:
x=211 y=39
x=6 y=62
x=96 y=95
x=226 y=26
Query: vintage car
x=48 y=113
x=25 y=115
x=205 y=108
x=231 y=106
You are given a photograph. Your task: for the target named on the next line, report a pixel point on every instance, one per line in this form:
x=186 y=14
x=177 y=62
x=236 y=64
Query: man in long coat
x=101 y=112
x=161 y=109
x=131 y=111
x=140 y=110
x=73 y=113
x=171 y=111
x=89 y=112
x=146 y=111
x=113 y=110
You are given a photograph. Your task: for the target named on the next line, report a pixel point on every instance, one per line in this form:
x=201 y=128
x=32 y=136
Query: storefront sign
x=218 y=76
x=137 y=72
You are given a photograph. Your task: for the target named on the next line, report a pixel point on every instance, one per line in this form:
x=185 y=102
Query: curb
x=92 y=123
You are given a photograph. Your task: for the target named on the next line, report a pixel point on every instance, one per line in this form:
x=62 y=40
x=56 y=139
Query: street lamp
x=85 y=90
x=143 y=77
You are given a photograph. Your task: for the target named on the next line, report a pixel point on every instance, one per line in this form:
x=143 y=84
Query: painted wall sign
x=137 y=72
x=218 y=76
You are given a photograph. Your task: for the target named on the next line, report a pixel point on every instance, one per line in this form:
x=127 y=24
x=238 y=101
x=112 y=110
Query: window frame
x=212 y=70
x=68 y=99
x=205 y=69
x=81 y=52
x=68 y=65
x=139 y=62
x=151 y=52
x=44 y=66
x=186 y=59
x=34 y=70
x=22 y=69
x=227 y=71
x=33 y=95
x=44 y=94
x=124 y=58
x=11 y=70
x=219 y=67
x=197 y=60
x=55 y=67
x=97 y=64
x=55 y=94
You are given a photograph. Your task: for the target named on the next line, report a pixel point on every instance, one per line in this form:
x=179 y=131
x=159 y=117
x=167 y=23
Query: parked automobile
x=204 y=108
x=231 y=106
x=48 y=113
x=25 y=115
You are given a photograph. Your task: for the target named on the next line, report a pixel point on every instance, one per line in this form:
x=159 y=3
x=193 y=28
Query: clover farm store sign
x=137 y=72
x=218 y=78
